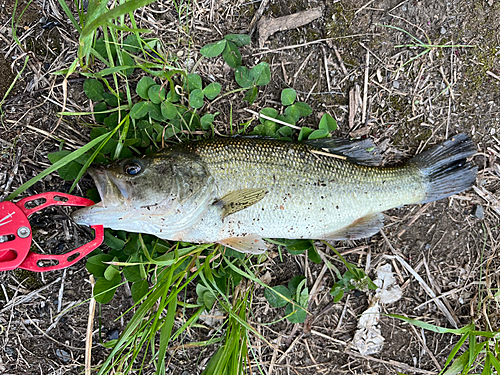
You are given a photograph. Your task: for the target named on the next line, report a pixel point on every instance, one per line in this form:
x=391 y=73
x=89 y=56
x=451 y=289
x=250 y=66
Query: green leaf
x=100 y=107
x=251 y=95
x=173 y=97
x=131 y=44
x=304 y=133
x=69 y=171
x=157 y=94
x=314 y=256
x=139 y=110
x=139 y=289
x=293 y=284
x=194 y=82
x=238 y=39
x=132 y=273
x=143 y=87
x=304 y=108
x=277 y=296
x=299 y=314
x=327 y=123
x=155 y=112
x=213 y=49
x=206 y=121
x=270 y=128
x=337 y=292
x=232 y=55
x=261 y=74
x=293 y=112
x=288 y=96
x=96 y=266
x=243 y=77
x=111 y=271
x=285 y=131
x=269 y=112
x=104 y=290
x=212 y=90
x=127 y=61
x=112 y=241
x=317 y=134
x=196 y=98
x=297 y=247
x=94 y=89
x=168 y=110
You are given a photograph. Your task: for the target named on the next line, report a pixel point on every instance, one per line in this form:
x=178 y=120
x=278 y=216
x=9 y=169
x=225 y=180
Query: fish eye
x=132 y=169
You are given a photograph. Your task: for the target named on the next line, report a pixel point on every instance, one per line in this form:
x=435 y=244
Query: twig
x=391 y=362
x=19 y=300
x=61 y=291
x=90 y=326
x=311 y=42
x=365 y=89
x=414 y=218
x=285 y=354
x=272 y=119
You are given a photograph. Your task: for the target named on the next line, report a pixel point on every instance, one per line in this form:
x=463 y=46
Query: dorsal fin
x=360 y=152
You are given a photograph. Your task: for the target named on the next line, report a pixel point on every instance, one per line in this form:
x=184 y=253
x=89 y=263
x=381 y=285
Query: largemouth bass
x=237 y=191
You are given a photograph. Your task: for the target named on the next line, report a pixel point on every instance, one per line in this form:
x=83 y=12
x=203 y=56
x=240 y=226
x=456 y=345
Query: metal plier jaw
x=16 y=236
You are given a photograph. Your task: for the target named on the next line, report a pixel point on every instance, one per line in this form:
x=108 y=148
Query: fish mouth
x=112 y=190
x=114 y=198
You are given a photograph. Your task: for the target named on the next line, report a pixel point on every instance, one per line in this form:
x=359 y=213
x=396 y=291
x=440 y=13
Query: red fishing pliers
x=15 y=234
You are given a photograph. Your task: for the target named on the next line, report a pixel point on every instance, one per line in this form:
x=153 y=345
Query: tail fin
x=445 y=167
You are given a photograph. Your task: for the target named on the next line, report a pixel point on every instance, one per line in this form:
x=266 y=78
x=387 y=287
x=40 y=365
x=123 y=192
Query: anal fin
x=363 y=227
x=250 y=243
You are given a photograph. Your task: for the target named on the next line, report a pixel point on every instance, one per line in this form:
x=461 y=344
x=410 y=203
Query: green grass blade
x=14 y=81
x=165 y=335
x=116 y=12
x=66 y=9
x=74 y=155
x=455 y=350
x=94 y=155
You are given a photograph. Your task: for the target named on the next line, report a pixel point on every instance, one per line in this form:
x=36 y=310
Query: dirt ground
x=346 y=63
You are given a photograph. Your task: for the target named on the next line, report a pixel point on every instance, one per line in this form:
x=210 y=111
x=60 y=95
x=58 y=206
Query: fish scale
x=236 y=191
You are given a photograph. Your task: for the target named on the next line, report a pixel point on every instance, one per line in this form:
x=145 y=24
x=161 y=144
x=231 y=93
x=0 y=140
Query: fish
x=238 y=191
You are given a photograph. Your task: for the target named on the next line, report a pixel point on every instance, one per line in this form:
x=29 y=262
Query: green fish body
x=236 y=191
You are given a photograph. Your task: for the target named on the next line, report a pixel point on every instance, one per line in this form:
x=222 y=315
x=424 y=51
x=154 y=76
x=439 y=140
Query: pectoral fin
x=363 y=227
x=251 y=243
x=239 y=200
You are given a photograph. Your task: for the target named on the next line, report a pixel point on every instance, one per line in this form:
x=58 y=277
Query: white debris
x=368 y=338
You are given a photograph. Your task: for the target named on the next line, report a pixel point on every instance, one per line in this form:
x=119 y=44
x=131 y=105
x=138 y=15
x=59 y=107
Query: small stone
x=63 y=355
x=443 y=30
x=478 y=211
x=395 y=84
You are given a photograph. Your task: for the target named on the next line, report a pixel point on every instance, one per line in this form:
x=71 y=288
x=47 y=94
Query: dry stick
x=272 y=119
x=302 y=66
x=17 y=301
x=90 y=325
x=365 y=89
x=424 y=285
x=61 y=291
x=436 y=363
x=492 y=75
x=342 y=66
x=391 y=362
x=363 y=7
x=414 y=218
x=275 y=353
x=285 y=354
x=268 y=26
x=327 y=73
x=257 y=16
x=311 y=42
